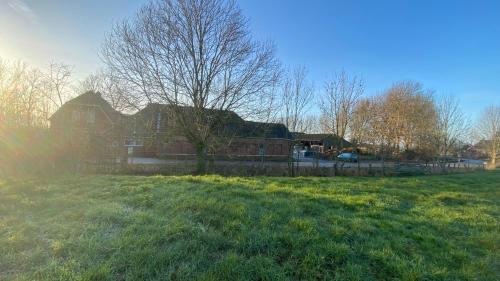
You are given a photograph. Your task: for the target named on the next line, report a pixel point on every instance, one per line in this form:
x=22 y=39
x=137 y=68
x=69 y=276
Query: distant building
x=480 y=150
x=322 y=143
x=92 y=127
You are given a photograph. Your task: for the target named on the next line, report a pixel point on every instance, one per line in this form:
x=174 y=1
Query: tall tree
x=114 y=92
x=58 y=82
x=361 y=125
x=23 y=98
x=295 y=100
x=10 y=77
x=341 y=95
x=401 y=119
x=297 y=96
x=194 y=53
x=452 y=127
x=312 y=124
x=31 y=98
x=408 y=117
x=488 y=129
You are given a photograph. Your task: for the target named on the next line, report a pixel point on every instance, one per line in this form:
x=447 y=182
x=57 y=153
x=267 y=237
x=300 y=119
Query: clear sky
x=452 y=47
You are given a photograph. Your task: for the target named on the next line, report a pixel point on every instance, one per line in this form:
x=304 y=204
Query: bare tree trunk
x=358 y=160
x=201 y=158
x=493 y=158
x=383 y=164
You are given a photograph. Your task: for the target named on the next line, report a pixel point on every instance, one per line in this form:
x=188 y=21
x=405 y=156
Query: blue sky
x=452 y=47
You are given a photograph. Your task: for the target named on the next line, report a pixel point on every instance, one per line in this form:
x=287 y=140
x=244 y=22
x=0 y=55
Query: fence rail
x=255 y=168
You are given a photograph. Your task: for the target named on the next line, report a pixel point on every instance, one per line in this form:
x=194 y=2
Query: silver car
x=348 y=157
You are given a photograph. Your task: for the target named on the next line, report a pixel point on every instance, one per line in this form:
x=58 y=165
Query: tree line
x=405 y=121
x=29 y=95
x=201 y=54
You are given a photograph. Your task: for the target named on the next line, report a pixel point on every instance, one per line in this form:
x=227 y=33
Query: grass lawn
x=216 y=228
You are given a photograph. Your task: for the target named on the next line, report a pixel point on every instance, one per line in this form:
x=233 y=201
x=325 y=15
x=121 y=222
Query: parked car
x=474 y=161
x=348 y=157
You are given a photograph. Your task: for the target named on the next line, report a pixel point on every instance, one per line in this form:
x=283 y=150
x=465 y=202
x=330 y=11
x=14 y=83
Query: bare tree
x=91 y=83
x=32 y=100
x=407 y=118
x=295 y=100
x=114 y=92
x=488 y=129
x=312 y=124
x=342 y=94
x=297 y=96
x=403 y=119
x=22 y=97
x=10 y=77
x=58 y=83
x=195 y=54
x=452 y=126
x=361 y=125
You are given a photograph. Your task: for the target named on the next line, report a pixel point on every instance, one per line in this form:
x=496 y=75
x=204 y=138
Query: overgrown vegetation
x=216 y=228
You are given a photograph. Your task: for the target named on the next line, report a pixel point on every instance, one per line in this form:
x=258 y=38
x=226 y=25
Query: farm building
x=322 y=143
x=93 y=127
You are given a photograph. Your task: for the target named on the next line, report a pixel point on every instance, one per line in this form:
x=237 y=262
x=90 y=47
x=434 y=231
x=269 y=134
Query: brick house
x=88 y=127
x=94 y=128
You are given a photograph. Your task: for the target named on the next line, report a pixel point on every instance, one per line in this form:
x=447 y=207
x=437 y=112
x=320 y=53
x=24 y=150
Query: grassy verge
x=215 y=228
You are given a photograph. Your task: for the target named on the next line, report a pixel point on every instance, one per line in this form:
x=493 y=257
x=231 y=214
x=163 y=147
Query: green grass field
x=216 y=228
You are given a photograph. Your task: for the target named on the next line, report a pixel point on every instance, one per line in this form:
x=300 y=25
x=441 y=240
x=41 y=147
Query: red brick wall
x=167 y=146
x=239 y=147
x=64 y=120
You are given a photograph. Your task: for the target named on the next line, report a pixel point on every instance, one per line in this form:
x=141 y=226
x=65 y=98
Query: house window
x=75 y=116
x=91 y=116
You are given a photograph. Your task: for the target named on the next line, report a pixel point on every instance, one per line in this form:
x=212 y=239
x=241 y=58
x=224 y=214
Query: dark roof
x=265 y=130
x=320 y=137
x=229 y=123
x=311 y=137
x=153 y=108
x=92 y=98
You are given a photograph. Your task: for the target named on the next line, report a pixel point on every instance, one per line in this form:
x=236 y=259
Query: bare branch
x=342 y=94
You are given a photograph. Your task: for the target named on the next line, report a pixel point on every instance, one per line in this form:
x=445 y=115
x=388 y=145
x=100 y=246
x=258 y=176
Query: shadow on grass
x=216 y=228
